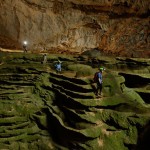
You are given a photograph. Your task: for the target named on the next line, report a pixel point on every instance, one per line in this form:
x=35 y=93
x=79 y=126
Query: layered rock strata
x=44 y=110
x=118 y=27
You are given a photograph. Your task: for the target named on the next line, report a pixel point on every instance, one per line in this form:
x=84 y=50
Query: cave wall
x=113 y=26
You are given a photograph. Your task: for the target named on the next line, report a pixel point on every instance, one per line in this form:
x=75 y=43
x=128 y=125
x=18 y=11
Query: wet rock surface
x=44 y=110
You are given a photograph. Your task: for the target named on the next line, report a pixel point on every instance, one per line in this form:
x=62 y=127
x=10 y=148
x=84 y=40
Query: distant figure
x=25 y=48
x=99 y=81
x=44 y=58
x=58 y=66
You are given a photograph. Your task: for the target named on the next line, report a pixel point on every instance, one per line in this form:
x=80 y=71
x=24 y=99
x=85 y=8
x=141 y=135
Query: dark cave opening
x=145 y=97
x=134 y=81
x=144 y=138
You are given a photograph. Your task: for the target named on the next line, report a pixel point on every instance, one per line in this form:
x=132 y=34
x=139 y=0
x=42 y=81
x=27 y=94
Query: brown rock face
x=121 y=27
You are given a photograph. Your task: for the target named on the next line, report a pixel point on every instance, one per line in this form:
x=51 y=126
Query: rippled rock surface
x=44 y=110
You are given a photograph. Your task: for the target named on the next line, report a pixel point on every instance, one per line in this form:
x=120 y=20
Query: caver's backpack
x=95 y=79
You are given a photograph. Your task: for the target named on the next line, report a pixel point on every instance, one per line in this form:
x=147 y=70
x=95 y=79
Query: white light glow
x=25 y=42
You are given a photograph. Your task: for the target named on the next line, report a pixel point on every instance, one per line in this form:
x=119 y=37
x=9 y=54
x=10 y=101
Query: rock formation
x=119 y=27
x=42 y=110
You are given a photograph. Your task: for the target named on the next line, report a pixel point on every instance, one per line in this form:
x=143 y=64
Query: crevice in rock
x=143 y=142
x=115 y=11
x=34 y=6
x=130 y=146
x=145 y=97
x=134 y=81
x=112 y=123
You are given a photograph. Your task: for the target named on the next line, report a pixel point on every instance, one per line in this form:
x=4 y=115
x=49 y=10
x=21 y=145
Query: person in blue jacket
x=58 y=66
x=99 y=82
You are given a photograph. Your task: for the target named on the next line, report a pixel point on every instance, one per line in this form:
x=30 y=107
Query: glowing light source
x=25 y=42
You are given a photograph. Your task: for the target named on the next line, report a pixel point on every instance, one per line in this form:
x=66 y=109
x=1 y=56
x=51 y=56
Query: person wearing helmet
x=99 y=82
x=25 y=47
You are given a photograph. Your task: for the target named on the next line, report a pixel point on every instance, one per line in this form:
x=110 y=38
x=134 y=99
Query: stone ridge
x=89 y=116
x=40 y=109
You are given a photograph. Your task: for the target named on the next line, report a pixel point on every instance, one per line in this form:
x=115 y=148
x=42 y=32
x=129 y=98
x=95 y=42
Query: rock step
x=88 y=133
x=20 y=134
x=75 y=120
x=14 y=138
x=23 y=83
x=12 y=120
x=15 y=126
x=72 y=86
x=73 y=94
x=6 y=102
x=76 y=103
x=103 y=102
x=17 y=76
x=83 y=116
x=12 y=91
x=11 y=87
x=4 y=113
x=20 y=96
x=15 y=132
x=81 y=81
x=13 y=100
x=66 y=100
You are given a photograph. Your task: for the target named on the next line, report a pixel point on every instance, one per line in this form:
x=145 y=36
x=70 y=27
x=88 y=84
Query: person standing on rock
x=44 y=58
x=58 y=66
x=98 y=79
x=25 y=46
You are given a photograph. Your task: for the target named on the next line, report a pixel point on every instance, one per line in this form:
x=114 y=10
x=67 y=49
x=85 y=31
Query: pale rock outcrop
x=113 y=26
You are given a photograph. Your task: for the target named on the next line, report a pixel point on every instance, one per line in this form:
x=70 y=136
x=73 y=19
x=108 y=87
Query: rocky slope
x=113 y=26
x=44 y=110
